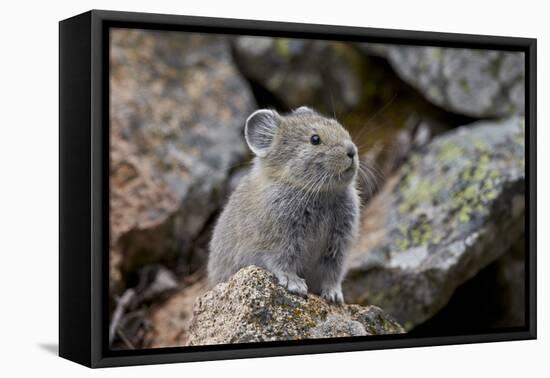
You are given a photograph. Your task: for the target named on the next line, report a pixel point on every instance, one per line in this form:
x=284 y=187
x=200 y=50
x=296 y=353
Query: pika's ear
x=260 y=129
x=303 y=110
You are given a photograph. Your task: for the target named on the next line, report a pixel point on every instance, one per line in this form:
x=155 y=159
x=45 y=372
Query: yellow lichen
x=449 y=152
x=282 y=47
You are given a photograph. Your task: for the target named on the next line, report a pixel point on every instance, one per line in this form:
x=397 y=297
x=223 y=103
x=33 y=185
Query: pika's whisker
x=378 y=112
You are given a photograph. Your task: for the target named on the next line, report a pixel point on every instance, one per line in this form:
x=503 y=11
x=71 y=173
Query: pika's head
x=302 y=148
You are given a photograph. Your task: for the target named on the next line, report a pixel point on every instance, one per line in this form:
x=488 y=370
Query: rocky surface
x=169 y=321
x=477 y=83
x=322 y=74
x=510 y=279
x=178 y=107
x=252 y=307
x=128 y=321
x=497 y=292
x=449 y=203
x=454 y=207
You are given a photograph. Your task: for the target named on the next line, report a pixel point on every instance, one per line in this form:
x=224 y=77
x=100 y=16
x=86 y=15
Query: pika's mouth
x=348 y=171
x=351 y=167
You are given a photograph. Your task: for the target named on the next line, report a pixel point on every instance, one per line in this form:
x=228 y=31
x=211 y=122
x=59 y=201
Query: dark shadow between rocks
x=493 y=300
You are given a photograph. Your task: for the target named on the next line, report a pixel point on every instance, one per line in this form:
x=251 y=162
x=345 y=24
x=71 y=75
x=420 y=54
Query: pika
x=296 y=212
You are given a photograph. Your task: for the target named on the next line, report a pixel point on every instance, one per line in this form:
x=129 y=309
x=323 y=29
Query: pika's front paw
x=293 y=283
x=333 y=294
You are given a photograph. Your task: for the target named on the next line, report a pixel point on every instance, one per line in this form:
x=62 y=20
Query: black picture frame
x=84 y=185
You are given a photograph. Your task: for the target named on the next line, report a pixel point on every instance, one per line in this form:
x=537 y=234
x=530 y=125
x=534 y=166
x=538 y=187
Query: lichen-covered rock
x=477 y=83
x=322 y=74
x=454 y=207
x=178 y=106
x=252 y=307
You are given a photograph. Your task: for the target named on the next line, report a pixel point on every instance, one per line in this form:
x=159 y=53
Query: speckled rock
x=178 y=106
x=477 y=83
x=321 y=74
x=454 y=207
x=252 y=307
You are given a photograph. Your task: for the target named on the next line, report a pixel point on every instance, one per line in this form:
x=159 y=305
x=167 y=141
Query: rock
x=160 y=280
x=252 y=307
x=497 y=292
x=178 y=107
x=510 y=286
x=453 y=208
x=477 y=83
x=128 y=321
x=323 y=74
x=169 y=321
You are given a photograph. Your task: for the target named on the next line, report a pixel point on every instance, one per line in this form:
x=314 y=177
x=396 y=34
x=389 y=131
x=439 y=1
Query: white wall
x=28 y=171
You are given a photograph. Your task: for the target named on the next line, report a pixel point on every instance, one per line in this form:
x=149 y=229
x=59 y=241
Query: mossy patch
x=449 y=152
x=478 y=189
x=416 y=192
x=421 y=193
x=282 y=46
x=419 y=234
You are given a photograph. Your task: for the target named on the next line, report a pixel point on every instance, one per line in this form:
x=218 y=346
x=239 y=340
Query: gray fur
x=296 y=213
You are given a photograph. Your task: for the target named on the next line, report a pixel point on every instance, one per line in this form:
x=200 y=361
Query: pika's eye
x=315 y=139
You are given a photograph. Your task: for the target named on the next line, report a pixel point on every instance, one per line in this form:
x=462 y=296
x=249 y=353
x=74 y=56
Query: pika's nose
x=350 y=151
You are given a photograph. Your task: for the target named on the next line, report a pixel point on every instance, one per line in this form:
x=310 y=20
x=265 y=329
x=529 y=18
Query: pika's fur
x=296 y=212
